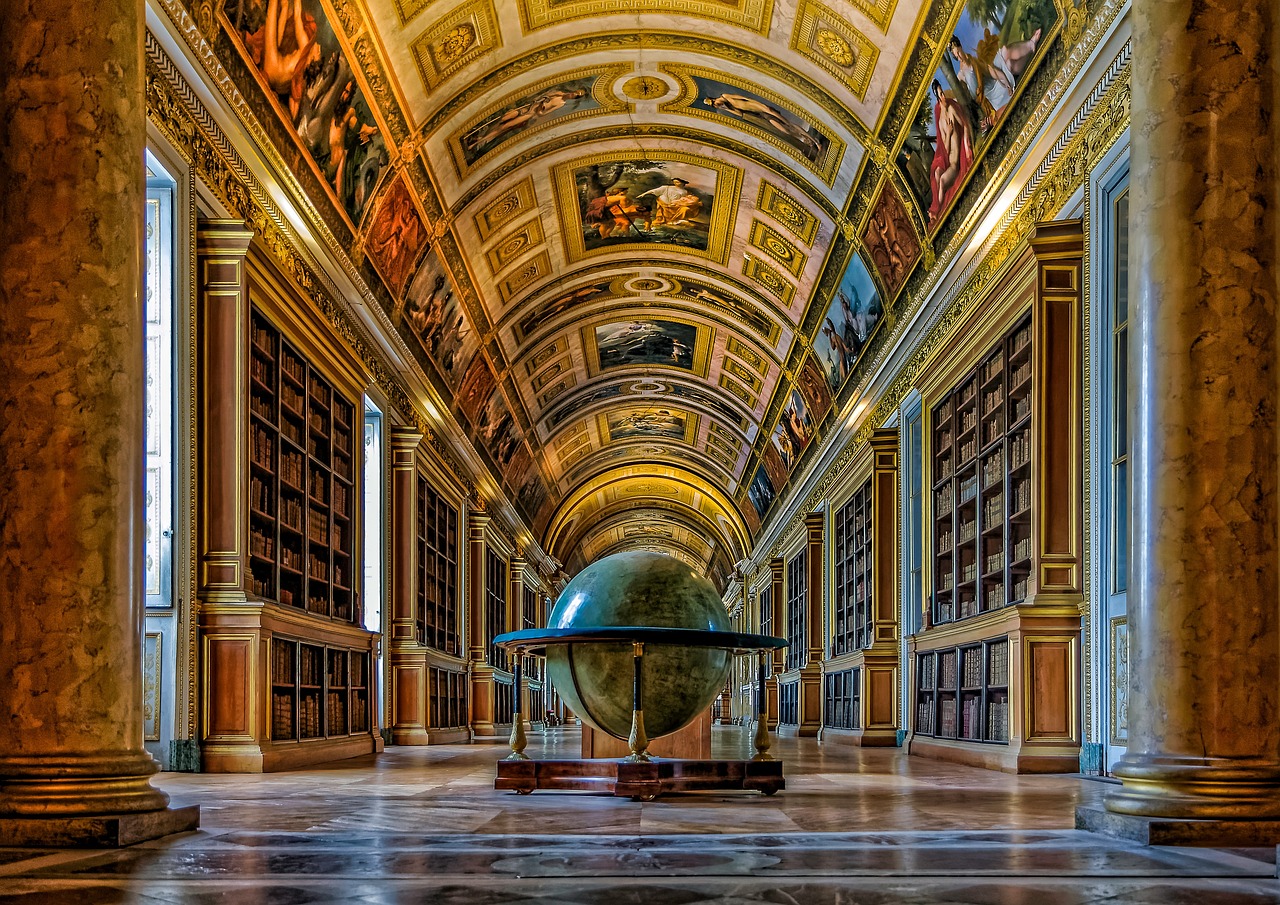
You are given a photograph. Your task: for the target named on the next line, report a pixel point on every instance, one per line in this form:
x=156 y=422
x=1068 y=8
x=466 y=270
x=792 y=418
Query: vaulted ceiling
x=637 y=245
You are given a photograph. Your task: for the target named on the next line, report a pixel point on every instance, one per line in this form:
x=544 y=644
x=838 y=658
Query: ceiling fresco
x=642 y=249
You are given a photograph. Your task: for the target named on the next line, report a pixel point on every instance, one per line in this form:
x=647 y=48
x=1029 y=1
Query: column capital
x=884 y=440
x=777 y=568
x=223 y=236
x=814 y=525
x=405 y=438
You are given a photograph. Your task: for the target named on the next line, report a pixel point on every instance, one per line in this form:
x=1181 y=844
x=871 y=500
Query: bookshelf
x=962 y=692
x=317 y=691
x=997 y=680
x=797 y=601
x=448 y=698
x=853 y=562
x=437 y=586
x=982 y=545
x=495 y=608
x=301 y=481
x=842 y=699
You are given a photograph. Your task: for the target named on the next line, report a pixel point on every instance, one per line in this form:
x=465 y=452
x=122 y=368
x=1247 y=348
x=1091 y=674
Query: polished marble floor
x=426 y=826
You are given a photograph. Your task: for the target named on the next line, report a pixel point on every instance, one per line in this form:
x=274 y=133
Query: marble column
x=73 y=769
x=406 y=650
x=482 y=711
x=1204 y=623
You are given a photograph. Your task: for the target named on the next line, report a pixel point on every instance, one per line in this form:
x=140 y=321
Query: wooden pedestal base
x=640 y=781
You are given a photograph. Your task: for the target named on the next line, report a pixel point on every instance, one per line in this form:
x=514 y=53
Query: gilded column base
x=73 y=786
x=1196 y=788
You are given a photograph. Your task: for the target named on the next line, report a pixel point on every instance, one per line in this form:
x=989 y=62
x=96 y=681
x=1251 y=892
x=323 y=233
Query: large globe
x=650 y=590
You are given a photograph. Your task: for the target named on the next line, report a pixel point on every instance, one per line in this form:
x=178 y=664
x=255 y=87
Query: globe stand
x=518 y=740
x=762 y=741
x=637 y=740
x=639 y=776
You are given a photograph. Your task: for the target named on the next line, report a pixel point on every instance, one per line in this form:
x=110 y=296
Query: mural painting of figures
x=855 y=310
x=890 y=240
x=648 y=202
x=812 y=383
x=396 y=236
x=545 y=313
x=301 y=66
x=574 y=406
x=988 y=55
x=478 y=387
x=794 y=430
x=534 y=109
x=432 y=314
x=646 y=424
x=646 y=343
x=748 y=107
x=761 y=492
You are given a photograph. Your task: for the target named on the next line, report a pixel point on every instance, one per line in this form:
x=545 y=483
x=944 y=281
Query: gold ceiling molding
x=750 y=114
x=466 y=34
x=750 y=14
x=724 y=180
x=787 y=211
x=640 y=43
x=700 y=354
x=834 y=44
x=747 y=354
x=514 y=245
x=510 y=204
x=529 y=272
x=407 y=10
x=742 y=302
x=646 y=88
x=776 y=246
x=748 y=398
x=532 y=109
x=756 y=269
x=878 y=11
x=658 y=134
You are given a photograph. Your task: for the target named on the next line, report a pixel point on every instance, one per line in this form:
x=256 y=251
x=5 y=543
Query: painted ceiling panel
x=643 y=249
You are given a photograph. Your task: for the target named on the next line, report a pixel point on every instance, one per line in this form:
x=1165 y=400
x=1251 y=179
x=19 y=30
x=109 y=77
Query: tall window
x=797 y=598
x=495 y=589
x=437 y=571
x=373 y=517
x=852 y=602
x=1119 y=520
x=159 y=313
x=913 y=534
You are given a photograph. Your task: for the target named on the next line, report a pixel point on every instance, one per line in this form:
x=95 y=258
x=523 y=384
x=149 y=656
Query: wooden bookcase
x=852 y=589
x=301 y=481
x=982 y=484
x=842 y=699
x=317 y=691
x=996 y=668
x=448 y=698
x=285 y=661
x=437 y=586
x=963 y=692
